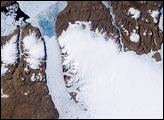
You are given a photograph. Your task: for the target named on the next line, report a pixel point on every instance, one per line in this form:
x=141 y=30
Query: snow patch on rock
x=154 y=15
x=144 y=33
x=3 y=95
x=33 y=77
x=134 y=12
x=34 y=48
x=8 y=54
x=26 y=93
x=134 y=37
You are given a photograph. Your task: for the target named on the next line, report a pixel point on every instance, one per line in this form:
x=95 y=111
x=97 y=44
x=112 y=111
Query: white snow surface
x=161 y=23
x=26 y=93
x=145 y=33
x=161 y=52
x=7 y=26
x=154 y=15
x=34 y=9
x=34 y=47
x=113 y=84
x=134 y=12
x=33 y=77
x=106 y=3
x=8 y=22
x=8 y=54
x=66 y=107
x=134 y=37
x=3 y=95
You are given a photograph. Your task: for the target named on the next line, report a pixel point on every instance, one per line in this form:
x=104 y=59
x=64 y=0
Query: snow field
x=9 y=54
x=115 y=85
x=34 y=47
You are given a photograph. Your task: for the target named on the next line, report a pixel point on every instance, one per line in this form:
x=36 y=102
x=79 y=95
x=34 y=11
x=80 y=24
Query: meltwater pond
x=47 y=27
x=43 y=14
x=47 y=19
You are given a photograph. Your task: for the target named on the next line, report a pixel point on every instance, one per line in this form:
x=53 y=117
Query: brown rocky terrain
x=154 y=36
x=26 y=99
x=6 y=3
x=94 y=11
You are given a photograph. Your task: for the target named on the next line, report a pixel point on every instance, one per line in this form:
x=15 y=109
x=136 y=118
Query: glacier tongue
x=46 y=22
x=65 y=105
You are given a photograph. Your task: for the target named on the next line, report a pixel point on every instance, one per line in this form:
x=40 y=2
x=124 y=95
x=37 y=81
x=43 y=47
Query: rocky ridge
x=151 y=37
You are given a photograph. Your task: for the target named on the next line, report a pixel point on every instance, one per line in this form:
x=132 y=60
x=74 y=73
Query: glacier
x=117 y=93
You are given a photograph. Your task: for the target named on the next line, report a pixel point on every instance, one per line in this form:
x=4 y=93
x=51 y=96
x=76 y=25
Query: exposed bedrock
x=151 y=37
x=6 y=3
x=94 y=11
